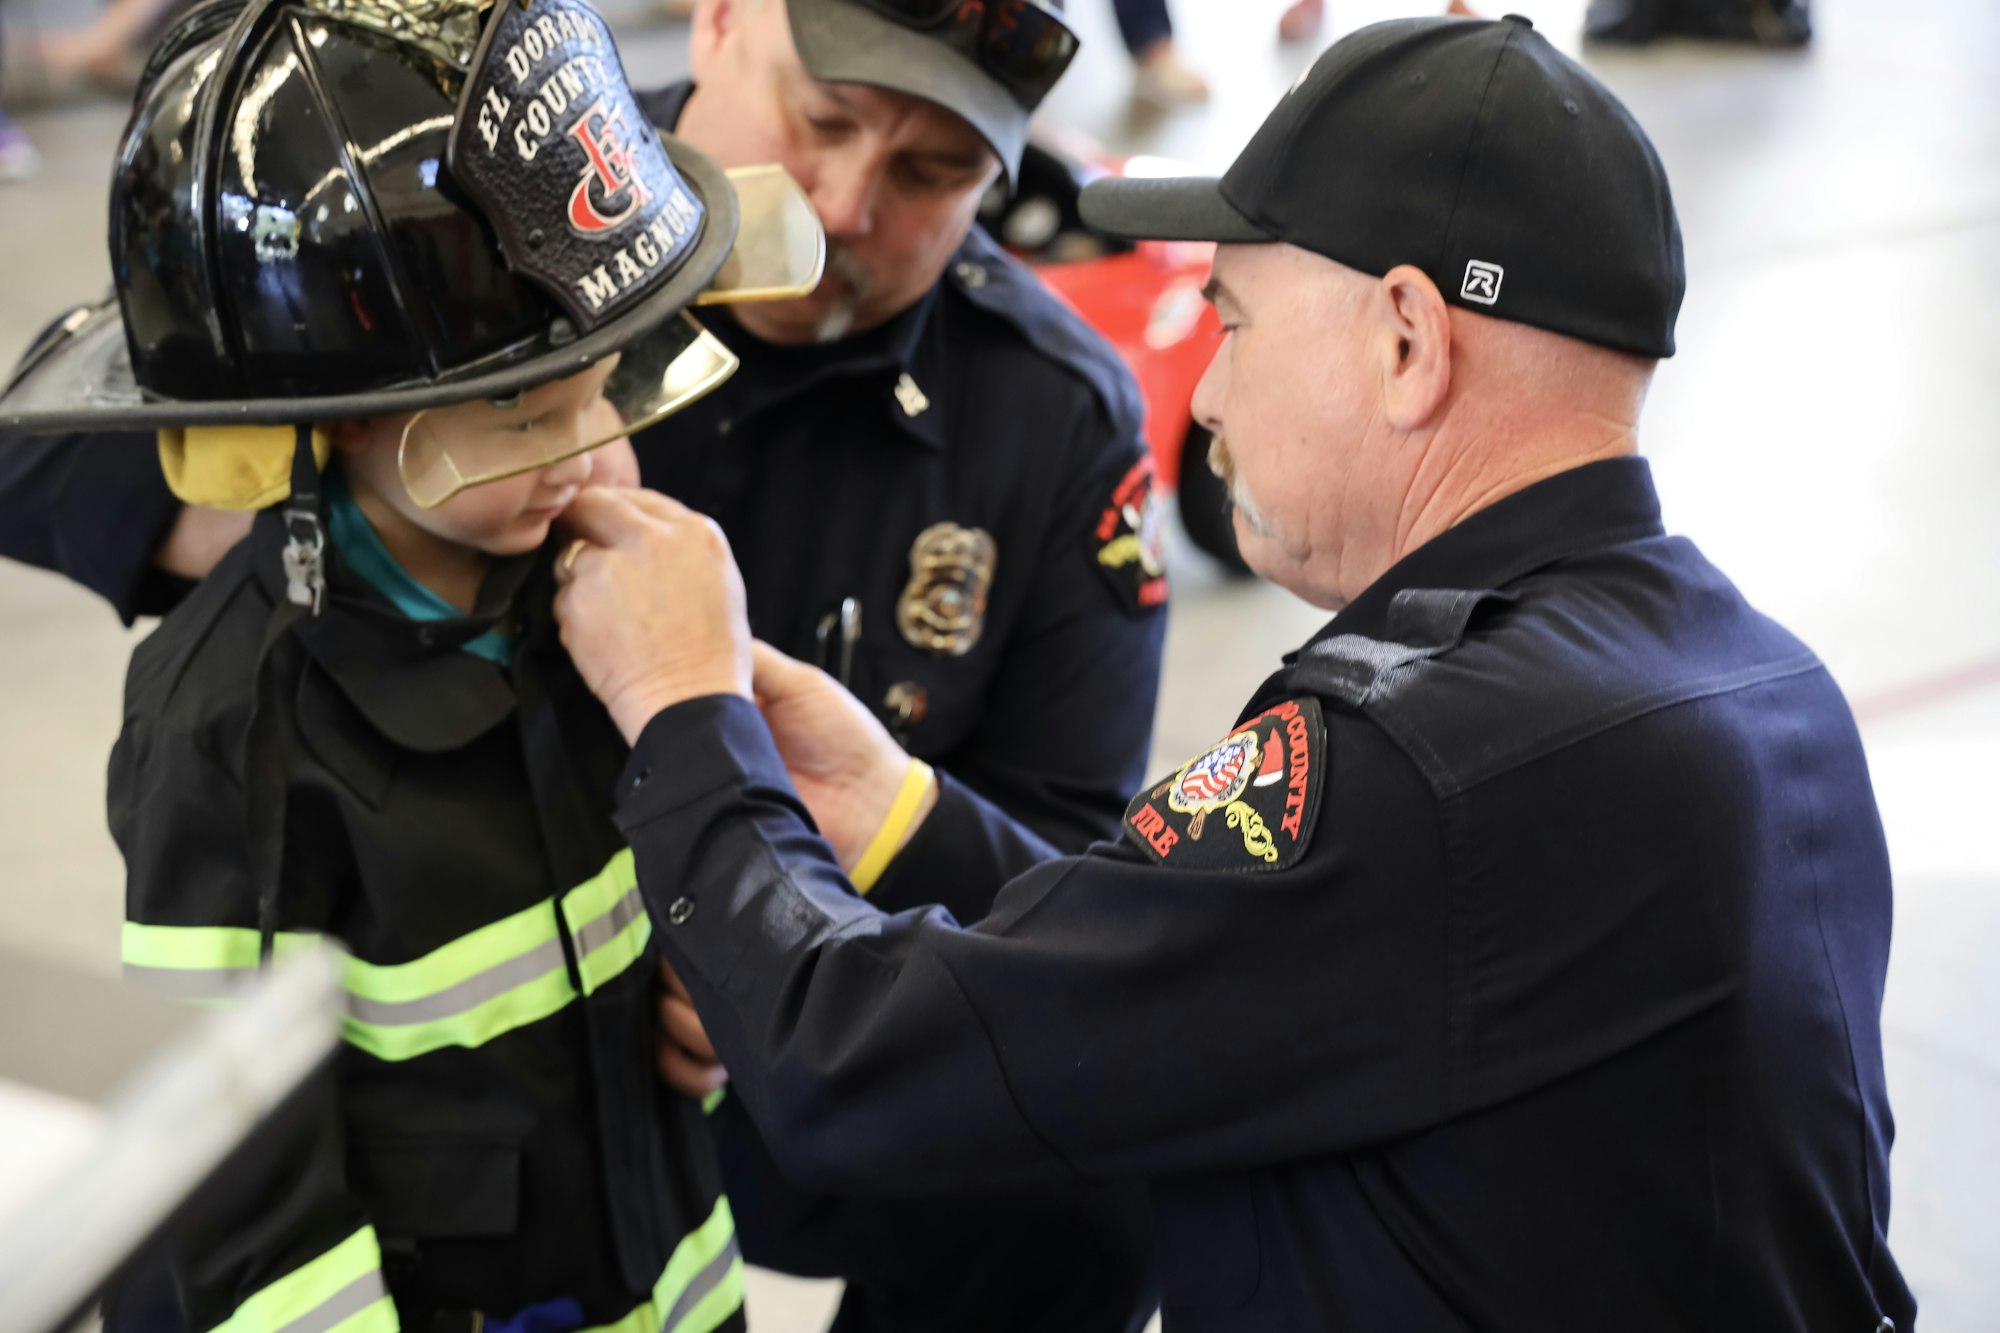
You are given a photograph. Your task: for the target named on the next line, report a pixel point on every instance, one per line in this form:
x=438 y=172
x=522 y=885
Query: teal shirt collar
x=355 y=538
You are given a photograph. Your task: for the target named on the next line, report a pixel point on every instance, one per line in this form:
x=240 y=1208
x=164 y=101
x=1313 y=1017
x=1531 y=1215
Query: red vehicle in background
x=1146 y=301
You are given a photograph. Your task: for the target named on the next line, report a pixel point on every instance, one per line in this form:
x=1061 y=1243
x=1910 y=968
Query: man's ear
x=713 y=23
x=1414 y=325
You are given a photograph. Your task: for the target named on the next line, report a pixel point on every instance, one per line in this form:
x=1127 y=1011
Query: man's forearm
x=94 y=508
x=198 y=540
x=813 y=999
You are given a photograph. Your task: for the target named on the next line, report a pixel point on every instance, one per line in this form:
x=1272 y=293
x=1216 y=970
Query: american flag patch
x=1247 y=802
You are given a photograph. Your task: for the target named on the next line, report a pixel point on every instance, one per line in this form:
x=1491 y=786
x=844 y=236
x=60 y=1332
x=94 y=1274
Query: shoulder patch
x=1128 y=544
x=1248 y=802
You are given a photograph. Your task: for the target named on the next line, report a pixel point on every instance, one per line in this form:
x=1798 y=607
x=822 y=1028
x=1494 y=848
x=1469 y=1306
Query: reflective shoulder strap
x=264 y=780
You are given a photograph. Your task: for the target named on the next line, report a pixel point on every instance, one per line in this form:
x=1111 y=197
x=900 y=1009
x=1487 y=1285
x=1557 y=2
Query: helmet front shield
x=445 y=452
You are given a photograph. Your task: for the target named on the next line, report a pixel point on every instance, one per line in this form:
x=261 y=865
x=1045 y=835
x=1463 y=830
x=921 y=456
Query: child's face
x=504 y=517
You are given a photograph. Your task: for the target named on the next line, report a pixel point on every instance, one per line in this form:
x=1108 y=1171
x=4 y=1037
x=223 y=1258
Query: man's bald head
x=1361 y=416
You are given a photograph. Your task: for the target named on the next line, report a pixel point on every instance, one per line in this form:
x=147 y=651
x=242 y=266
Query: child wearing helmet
x=363 y=292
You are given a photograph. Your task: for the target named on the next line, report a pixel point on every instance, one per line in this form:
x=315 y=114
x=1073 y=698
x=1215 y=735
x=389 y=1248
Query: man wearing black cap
x=1514 y=964
x=917 y=466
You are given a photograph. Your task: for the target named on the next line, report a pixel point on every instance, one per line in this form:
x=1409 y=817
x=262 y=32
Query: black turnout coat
x=498 y=1138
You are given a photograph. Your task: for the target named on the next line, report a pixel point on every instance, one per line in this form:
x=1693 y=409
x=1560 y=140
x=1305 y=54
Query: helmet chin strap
x=264 y=772
x=305 y=539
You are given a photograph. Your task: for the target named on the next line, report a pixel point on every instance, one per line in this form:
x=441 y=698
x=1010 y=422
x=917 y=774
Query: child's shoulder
x=198 y=669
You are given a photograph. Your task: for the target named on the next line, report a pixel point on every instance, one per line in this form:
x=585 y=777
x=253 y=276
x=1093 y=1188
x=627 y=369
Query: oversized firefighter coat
x=502 y=1143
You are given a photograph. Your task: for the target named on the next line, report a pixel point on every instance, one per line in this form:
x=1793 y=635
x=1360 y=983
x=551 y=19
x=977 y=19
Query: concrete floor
x=1827 y=434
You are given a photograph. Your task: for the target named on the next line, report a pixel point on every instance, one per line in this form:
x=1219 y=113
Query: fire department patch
x=1247 y=802
x=550 y=142
x=1129 y=544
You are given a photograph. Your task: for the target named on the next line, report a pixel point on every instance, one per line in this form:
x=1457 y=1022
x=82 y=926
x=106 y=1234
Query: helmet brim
x=81 y=378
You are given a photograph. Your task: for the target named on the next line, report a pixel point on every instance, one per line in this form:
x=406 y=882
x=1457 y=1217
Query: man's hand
x=653 y=615
x=686 y=1058
x=846 y=767
x=199 y=539
x=614 y=464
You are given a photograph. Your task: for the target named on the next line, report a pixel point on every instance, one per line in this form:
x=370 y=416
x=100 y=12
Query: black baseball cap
x=990 y=61
x=1473 y=150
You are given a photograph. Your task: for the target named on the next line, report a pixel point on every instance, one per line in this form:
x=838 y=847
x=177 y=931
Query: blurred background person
x=111 y=48
x=1764 y=22
x=1302 y=18
x=18 y=158
x=1160 y=78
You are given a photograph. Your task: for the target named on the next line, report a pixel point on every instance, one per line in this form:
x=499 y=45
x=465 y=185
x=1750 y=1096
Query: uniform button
x=679 y=911
x=640 y=780
x=971 y=274
x=907 y=702
x=724 y=426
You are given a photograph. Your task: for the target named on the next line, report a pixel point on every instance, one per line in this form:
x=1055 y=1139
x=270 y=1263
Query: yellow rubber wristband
x=888 y=839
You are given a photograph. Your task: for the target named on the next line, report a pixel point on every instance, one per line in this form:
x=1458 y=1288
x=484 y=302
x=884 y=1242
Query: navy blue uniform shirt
x=1515 y=965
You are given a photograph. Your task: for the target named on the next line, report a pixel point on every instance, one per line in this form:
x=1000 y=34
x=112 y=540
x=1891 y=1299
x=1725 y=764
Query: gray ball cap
x=841 y=42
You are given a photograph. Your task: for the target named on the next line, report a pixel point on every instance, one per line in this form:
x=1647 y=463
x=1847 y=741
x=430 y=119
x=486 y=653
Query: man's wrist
x=915 y=797
x=197 y=540
x=636 y=705
x=924 y=808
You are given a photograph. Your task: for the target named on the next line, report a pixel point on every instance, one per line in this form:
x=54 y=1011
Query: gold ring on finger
x=566 y=562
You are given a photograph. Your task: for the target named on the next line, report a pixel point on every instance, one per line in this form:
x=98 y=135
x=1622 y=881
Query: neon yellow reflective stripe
x=701 y=1286
x=722 y=1300
x=196 y=962
x=462 y=959
x=377 y=1318
x=341 y=1289
x=503 y=976
x=616 y=954
x=516 y=1008
x=607 y=919
x=703 y=1282
x=601 y=892
x=198 y=948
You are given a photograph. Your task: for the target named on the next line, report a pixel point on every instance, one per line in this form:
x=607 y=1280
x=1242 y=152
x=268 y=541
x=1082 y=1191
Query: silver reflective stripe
x=192 y=983
x=351 y=1299
x=707 y=1280
x=605 y=928
x=468 y=994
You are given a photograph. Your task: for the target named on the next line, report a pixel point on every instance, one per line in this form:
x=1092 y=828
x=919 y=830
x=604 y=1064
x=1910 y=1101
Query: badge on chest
x=943 y=606
x=1247 y=802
